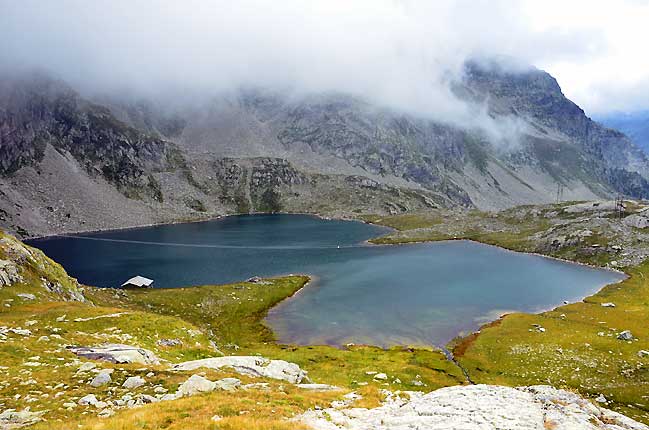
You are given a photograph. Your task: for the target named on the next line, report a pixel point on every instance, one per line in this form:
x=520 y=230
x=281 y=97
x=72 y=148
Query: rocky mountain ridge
x=68 y=163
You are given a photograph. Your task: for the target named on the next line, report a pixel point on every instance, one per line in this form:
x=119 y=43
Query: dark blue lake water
x=382 y=295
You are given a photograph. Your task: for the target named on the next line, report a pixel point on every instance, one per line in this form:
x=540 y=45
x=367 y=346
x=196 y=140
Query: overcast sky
x=403 y=52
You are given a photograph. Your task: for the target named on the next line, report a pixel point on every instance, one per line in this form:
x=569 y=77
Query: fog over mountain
x=171 y=110
x=400 y=54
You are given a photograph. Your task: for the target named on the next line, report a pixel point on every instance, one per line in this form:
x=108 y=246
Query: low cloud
x=399 y=54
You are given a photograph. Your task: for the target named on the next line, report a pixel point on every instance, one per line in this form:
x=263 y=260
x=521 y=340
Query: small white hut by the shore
x=138 y=282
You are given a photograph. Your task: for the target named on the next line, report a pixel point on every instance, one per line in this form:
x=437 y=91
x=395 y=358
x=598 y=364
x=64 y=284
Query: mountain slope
x=635 y=125
x=68 y=163
x=556 y=144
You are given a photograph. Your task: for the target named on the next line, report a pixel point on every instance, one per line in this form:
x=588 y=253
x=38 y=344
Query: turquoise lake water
x=381 y=295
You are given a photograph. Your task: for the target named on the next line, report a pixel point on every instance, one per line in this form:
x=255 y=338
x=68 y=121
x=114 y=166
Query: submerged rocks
x=476 y=407
x=250 y=366
x=117 y=353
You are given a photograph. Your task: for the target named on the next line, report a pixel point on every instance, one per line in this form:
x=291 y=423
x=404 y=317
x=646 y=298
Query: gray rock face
x=272 y=152
x=477 y=407
x=637 y=221
x=117 y=353
x=250 y=366
x=8 y=273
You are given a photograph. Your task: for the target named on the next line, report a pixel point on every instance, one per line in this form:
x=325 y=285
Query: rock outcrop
x=116 y=353
x=251 y=366
x=477 y=407
x=260 y=151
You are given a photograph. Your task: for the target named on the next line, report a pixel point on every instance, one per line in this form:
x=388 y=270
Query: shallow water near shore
x=419 y=294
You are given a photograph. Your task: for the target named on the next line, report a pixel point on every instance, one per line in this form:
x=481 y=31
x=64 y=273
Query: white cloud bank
x=399 y=52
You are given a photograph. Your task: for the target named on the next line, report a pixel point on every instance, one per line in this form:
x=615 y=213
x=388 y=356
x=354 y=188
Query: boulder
x=26 y=296
x=102 y=378
x=251 y=366
x=381 y=377
x=133 y=382
x=608 y=305
x=86 y=367
x=116 y=353
x=146 y=399
x=625 y=335
x=90 y=399
x=476 y=407
x=194 y=385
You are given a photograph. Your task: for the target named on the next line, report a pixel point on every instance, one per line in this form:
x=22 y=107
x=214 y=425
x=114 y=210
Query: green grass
x=228 y=317
x=579 y=349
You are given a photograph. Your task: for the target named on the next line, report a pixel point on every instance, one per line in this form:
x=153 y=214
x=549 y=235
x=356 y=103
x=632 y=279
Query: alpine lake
x=416 y=294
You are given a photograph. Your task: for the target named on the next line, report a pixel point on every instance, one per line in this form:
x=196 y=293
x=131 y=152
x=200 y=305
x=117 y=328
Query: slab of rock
x=251 y=366
x=133 y=382
x=228 y=384
x=86 y=367
x=116 y=353
x=476 y=407
x=637 y=221
x=318 y=387
x=194 y=385
x=26 y=296
x=13 y=419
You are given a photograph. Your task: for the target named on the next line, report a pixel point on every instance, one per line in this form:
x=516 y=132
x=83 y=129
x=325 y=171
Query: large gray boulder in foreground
x=250 y=366
x=116 y=353
x=477 y=407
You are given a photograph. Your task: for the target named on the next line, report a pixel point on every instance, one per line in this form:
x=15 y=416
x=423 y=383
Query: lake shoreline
x=313 y=279
x=194 y=221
